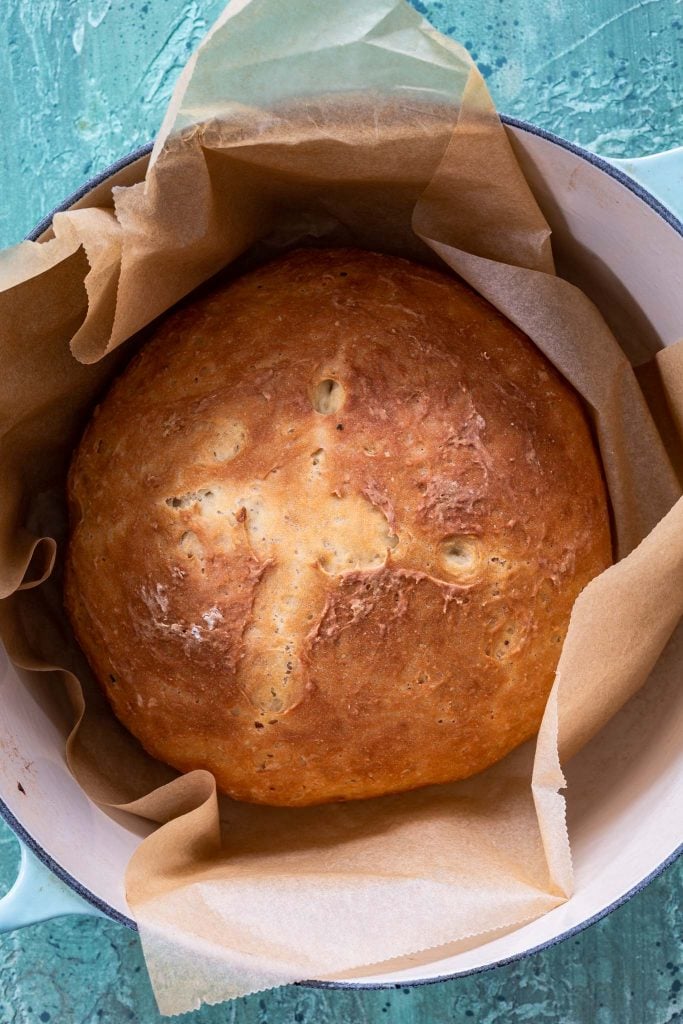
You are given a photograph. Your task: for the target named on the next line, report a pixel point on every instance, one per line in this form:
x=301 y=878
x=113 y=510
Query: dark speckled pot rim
x=115 y=915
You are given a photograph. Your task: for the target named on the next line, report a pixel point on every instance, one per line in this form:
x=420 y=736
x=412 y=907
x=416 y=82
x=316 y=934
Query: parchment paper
x=304 y=122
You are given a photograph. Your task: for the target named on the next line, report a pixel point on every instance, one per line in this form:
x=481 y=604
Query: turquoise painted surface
x=84 y=81
x=624 y=970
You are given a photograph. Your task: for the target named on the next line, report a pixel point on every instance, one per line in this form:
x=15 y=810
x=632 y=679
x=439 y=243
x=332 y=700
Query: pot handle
x=38 y=895
x=661 y=174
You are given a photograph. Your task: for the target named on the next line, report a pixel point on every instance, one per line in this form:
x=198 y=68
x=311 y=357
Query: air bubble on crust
x=505 y=643
x=328 y=396
x=458 y=555
x=190 y=544
x=227 y=441
x=182 y=501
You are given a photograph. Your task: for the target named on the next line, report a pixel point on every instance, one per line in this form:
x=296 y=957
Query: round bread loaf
x=327 y=531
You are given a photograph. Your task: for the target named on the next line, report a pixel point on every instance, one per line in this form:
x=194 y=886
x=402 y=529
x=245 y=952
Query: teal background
x=84 y=81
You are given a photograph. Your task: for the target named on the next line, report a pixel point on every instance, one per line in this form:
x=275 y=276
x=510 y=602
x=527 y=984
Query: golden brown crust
x=327 y=531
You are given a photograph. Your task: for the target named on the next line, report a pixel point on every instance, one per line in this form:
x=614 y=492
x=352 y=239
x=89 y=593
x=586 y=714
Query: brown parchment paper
x=303 y=122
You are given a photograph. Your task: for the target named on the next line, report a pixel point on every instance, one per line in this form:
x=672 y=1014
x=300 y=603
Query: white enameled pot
x=616 y=234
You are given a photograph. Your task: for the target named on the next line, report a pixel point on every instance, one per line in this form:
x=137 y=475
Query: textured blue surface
x=84 y=81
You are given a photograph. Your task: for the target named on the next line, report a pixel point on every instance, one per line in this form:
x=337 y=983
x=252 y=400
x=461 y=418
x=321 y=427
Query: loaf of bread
x=327 y=531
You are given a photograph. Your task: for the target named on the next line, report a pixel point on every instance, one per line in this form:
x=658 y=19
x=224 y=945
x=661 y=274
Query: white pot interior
x=625 y=789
